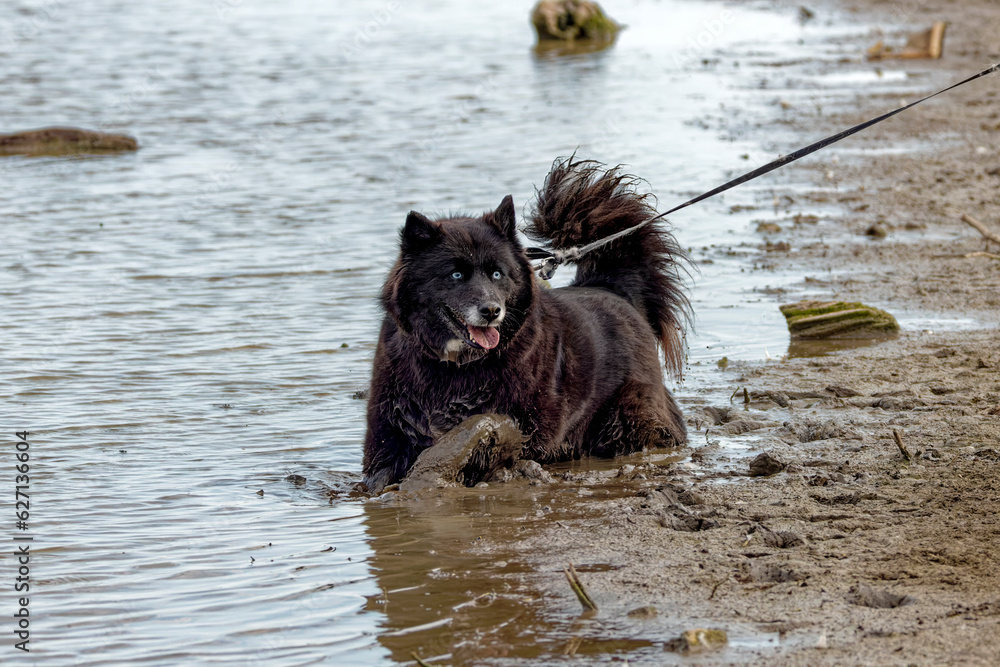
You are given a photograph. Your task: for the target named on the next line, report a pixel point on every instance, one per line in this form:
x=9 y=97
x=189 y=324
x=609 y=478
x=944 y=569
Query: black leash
x=551 y=259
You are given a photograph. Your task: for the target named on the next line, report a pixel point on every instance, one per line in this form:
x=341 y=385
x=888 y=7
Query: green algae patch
x=837 y=319
x=64 y=141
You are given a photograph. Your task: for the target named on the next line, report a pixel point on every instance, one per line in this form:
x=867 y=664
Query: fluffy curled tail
x=583 y=201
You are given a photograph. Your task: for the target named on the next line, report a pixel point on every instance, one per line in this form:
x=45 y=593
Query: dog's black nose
x=490 y=311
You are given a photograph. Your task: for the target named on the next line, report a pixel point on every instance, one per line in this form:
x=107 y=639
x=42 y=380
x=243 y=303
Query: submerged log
x=64 y=141
x=837 y=319
x=569 y=20
x=466 y=455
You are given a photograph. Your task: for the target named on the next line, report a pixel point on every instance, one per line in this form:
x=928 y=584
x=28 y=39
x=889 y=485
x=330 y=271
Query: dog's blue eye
x=497 y=275
x=458 y=275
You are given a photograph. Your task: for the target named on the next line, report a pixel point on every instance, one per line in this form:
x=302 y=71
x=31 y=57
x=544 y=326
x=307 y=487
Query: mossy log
x=64 y=141
x=837 y=319
x=569 y=20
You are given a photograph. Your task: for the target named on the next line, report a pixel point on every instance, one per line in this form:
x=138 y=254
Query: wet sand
x=850 y=553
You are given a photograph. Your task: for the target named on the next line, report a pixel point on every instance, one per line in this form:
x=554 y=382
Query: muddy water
x=185 y=327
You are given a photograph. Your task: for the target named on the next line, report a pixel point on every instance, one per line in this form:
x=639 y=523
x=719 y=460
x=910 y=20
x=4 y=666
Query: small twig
x=898 y=437
x=967 y=255
x=734 y=395
x=761 y=587
x=572 y=646
x=716 y=586
x=577 y=586
x=980 y=227
x=420 y=661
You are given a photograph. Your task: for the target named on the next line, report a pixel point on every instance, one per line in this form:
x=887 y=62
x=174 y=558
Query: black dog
x=470 y=330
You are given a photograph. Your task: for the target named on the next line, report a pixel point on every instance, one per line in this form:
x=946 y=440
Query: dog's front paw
x=377 y=480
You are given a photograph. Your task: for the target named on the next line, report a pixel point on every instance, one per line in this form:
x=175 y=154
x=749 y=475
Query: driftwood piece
x=64 y=141
x=924 y=44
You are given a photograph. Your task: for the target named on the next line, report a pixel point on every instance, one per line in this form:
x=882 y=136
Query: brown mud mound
x=466 y=455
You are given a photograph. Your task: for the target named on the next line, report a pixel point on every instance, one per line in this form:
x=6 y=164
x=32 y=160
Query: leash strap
x=551 y=259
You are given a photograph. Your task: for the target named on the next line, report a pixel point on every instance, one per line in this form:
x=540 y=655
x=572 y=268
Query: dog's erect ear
x=390 y=296
x=419 y=232
x=503 y=218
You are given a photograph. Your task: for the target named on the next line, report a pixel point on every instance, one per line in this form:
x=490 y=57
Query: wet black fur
x=577 y=367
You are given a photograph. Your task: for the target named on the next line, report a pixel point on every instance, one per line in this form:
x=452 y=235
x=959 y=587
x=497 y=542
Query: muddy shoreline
x=844 y=546
x=902 y=186
x=806 y=556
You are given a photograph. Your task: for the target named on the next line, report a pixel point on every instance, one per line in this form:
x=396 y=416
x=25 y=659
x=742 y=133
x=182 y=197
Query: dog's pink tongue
x=486 y=337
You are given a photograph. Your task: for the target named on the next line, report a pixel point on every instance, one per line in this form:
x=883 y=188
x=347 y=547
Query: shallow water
x=186 y=326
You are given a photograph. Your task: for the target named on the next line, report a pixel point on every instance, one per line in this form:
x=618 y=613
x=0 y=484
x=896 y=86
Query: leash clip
x=546 y=268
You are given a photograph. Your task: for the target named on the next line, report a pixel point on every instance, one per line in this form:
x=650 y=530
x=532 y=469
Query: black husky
x=470 y=330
